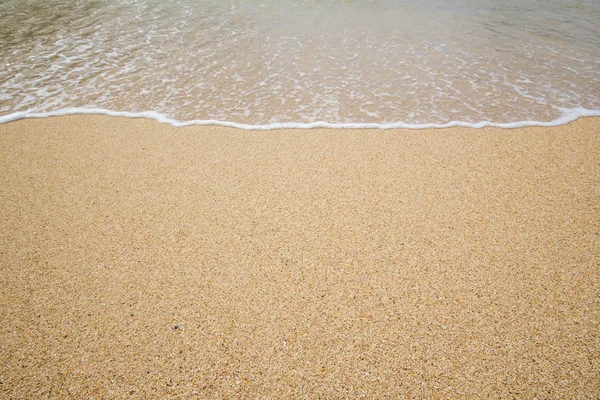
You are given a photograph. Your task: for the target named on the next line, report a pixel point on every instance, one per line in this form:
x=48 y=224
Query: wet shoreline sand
x=140 y=260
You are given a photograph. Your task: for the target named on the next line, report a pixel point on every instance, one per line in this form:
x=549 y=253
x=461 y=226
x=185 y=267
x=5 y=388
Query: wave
x=567 y=116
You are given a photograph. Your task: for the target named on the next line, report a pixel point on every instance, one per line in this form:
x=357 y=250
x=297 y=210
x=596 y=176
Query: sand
x=140 y=260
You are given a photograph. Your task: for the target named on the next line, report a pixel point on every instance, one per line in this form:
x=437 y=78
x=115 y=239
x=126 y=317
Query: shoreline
x=568 y=116
x=141 y=260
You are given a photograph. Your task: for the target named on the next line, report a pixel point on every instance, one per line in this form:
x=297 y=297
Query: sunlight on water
x=259 y=62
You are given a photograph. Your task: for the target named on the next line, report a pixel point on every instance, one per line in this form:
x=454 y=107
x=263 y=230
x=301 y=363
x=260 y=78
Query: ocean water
x=299 y=63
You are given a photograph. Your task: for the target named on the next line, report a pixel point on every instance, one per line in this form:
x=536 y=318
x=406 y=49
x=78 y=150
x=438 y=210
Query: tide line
x=567 y=116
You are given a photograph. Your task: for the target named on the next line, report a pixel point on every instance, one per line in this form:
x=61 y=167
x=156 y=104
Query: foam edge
x=568 y=115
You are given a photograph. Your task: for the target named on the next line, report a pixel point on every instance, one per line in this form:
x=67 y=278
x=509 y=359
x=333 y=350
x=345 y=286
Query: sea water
x=302 y=63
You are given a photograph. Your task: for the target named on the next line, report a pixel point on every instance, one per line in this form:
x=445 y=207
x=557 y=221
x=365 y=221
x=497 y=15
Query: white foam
x=568 y=115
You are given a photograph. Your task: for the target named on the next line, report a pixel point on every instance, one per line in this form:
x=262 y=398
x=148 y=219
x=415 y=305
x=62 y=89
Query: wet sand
x=138 y=260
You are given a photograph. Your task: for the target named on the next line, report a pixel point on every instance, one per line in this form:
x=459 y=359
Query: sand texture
x=138 y=260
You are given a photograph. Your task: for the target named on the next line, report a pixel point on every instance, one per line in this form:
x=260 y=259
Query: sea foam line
x=567 y=116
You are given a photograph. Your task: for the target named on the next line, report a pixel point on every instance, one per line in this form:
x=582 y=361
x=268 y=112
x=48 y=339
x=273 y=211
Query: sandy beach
x=138 y=260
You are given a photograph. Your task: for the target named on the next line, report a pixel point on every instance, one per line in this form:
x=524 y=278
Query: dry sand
x=144 y=261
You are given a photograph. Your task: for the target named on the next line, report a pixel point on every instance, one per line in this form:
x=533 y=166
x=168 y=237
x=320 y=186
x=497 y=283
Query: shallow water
x=291 y=61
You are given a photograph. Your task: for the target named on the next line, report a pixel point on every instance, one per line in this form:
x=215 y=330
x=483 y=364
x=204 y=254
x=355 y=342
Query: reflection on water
x=261 y=61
